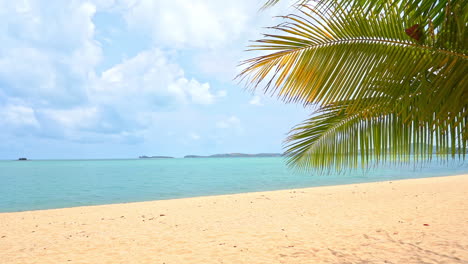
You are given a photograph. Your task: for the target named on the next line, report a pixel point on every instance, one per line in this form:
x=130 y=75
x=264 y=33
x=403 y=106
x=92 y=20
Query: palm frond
x=331 y=139
x=385 y=75
x=334 y=56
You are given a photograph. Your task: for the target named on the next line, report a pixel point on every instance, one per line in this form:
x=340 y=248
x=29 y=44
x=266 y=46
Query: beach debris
x=3 y=236
x=162 y=215
x=425 y=224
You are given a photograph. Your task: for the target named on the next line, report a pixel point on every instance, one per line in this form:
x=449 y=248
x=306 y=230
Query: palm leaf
x=403 y=64
x=372 y=135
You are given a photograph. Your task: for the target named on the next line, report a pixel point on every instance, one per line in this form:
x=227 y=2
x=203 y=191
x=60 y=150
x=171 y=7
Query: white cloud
x=216 y=31
x=195 y=23
x=28 y=71
x=47 y=50
x=18 y=115
x=256 y=100
x=198 y=93
x=80 y=117
x=53 y=78
x=48 y=58
x=149 y=81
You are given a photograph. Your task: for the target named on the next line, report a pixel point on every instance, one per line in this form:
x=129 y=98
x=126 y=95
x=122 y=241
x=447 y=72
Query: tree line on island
x=260 y=155
x=225 y=155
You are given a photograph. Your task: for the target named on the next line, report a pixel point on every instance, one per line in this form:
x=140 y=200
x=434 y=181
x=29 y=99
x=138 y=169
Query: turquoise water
x=32 y=185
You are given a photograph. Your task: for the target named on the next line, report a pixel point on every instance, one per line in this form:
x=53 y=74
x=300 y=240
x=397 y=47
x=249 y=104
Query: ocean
x=48 y=184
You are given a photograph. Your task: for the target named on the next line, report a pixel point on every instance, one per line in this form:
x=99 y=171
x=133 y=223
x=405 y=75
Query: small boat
x=22 y=159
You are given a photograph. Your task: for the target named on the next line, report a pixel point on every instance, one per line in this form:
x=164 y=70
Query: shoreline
x=230 y=194
x=400 y=221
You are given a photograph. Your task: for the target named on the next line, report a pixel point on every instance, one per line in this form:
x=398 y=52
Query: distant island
x=237 y=155
x=155 y=157
x=22 y=159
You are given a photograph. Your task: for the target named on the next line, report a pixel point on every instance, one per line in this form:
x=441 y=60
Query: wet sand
x=408 y=221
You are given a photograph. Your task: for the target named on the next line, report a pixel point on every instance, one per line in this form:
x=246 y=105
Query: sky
x=124 y=78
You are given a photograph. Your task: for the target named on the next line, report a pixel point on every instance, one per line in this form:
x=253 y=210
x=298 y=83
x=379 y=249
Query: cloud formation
x=74 y=73
x=17 y=115
x=149 y=80
x=196 y=23
x=48 y=77
x=47 y=51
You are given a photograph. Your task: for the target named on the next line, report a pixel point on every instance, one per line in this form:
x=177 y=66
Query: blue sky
x=123 y=78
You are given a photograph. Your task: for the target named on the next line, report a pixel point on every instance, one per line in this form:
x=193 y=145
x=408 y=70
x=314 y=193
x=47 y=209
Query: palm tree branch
x=362 y=40
x=332 y=138
x=388 y=78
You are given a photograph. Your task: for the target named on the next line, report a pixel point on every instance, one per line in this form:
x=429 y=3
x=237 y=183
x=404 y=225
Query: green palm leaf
x=333 y=139
x=403 y=64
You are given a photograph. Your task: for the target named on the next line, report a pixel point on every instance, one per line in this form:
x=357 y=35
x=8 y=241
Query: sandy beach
x=408 y=221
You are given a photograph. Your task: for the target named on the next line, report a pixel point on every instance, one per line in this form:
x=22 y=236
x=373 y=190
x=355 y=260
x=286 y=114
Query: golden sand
x=408 y=221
